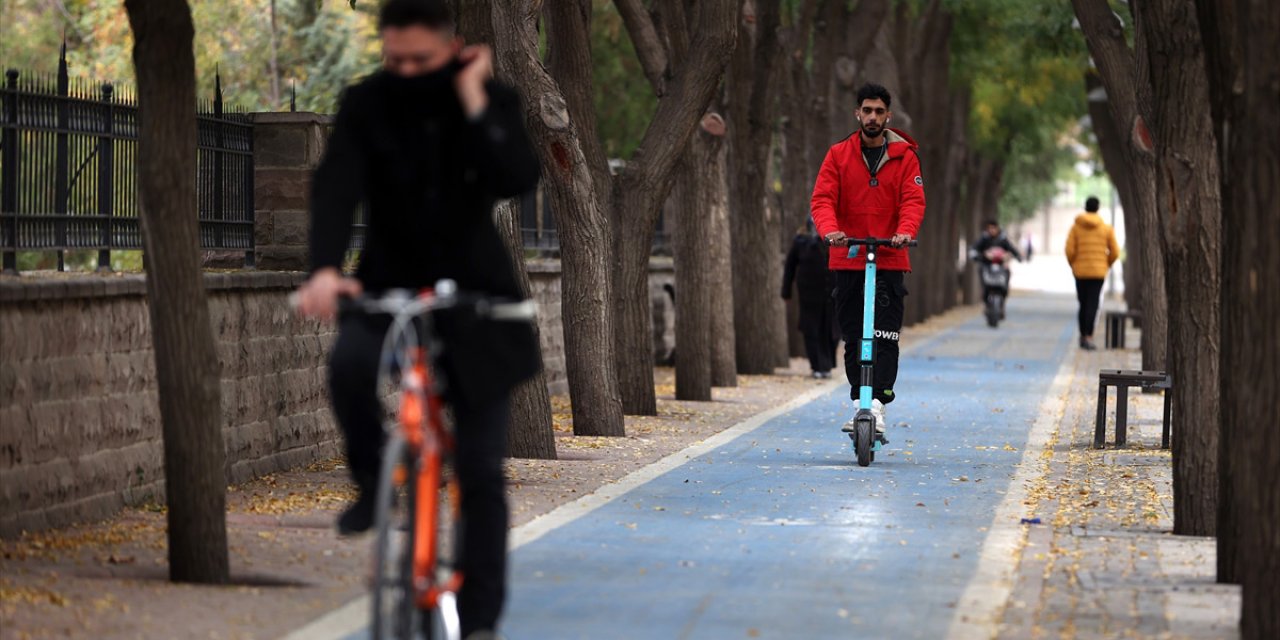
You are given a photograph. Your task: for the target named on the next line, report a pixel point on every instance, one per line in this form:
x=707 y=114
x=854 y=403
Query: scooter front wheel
x=863 y=441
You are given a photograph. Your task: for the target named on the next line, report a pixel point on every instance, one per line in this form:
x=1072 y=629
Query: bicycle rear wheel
x=393 y=608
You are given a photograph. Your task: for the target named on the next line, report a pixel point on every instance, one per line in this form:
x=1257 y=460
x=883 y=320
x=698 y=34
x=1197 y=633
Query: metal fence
x=538 y=228
x=68 y=180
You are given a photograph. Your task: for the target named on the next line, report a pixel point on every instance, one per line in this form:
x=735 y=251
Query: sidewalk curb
x=979 y=610
x=354 y=615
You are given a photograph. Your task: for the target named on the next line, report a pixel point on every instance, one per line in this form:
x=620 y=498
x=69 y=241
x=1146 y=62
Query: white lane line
x=979 y=610
x=568 y=512
x=354 y=616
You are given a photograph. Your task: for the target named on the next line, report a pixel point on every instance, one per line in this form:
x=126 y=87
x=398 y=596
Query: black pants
x=480 y=448
x=890 y=292
x=1088 y=292
x=817 y=321
x=820 y=348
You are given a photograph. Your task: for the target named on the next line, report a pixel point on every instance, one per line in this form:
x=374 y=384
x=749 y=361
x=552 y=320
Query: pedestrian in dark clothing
x=806 y=267
x=428 y=143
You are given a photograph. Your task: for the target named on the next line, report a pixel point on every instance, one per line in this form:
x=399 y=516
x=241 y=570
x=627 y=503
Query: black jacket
x=806 y=267
x=986 y=242
x=430 y=178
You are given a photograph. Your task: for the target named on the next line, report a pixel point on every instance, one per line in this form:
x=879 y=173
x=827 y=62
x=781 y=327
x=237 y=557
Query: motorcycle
x=995 y=283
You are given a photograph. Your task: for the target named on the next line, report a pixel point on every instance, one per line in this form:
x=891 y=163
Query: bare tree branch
x=568 y=24
x=866 y=20
x=648 y=46
x=692 y=88
x=1111 y=55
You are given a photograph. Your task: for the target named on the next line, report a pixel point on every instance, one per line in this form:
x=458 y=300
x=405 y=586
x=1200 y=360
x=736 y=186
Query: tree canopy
x=1024 y=64
x=320 y=46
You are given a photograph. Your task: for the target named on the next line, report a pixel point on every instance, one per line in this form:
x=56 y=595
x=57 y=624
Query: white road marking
x=354 y=616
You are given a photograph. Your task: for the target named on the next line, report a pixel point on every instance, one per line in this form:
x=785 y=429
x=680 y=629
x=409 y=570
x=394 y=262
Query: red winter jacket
x=844 y=200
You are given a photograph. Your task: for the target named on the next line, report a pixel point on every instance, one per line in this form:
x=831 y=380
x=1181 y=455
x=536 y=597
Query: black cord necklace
x=873 y=166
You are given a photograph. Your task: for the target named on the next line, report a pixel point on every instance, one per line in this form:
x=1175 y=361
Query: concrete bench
x=1122 y=380
x=1115 y=323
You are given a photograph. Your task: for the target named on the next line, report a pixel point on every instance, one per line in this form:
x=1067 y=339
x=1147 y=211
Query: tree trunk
x=1223 y=51
x=644 y=184
x=1112 y=145
x=1251 y=313
x=755 y=257
x=531 y=434
x=585 y=249
x=773 y=215
x=724 y=364
x=186 y=358
x=1188 y=190
x=568 y=25
x=1129 y=97
x=1239 y=37
x=696 y=196
x=980 y=204
x=923 y=52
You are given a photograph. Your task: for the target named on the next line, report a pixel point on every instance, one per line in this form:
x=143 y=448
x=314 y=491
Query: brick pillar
x=286 y=149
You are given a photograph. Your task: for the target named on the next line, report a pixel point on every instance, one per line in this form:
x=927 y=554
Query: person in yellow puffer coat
x=1091 y=249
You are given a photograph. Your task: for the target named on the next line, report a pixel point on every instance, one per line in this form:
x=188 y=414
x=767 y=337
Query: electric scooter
x=865 y=440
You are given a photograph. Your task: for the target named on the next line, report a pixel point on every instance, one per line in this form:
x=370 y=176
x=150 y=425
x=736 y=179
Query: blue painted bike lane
x=779 y=534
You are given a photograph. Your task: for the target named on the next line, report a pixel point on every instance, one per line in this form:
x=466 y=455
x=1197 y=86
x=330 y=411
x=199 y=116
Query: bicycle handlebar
x=870 y=242
x=445 y=295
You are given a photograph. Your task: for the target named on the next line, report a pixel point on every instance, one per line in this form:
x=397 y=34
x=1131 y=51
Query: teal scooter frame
x=865 y=441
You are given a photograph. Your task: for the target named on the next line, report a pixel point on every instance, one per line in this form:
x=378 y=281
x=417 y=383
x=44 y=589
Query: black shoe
x=358 y=517
x=1088 y=345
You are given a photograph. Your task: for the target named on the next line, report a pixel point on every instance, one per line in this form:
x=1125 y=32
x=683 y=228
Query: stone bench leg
x=1122 y=414
x=1164 y=423
x=1100 y=427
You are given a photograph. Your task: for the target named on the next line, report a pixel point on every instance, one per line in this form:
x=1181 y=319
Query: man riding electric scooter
x=870 y=186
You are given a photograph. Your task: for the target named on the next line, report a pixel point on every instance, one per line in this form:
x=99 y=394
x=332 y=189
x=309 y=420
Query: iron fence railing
x=68 y=180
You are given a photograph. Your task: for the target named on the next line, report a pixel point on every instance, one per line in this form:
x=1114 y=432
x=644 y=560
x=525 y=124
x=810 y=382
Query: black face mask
x=427 y=85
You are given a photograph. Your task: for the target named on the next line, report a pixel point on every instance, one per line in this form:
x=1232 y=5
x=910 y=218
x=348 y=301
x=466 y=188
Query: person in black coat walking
x=428 y=143
x=806 y=267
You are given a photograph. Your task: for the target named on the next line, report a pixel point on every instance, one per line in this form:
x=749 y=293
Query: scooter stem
x=868 y=331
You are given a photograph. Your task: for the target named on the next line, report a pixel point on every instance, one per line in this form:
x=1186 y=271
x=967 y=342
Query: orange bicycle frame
x=421 y=419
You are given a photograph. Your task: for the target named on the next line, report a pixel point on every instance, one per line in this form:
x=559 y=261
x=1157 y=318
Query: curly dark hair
x=432 y=14
x=871 y=91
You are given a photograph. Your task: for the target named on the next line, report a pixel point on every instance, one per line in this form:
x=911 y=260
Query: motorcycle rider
x=988 y=247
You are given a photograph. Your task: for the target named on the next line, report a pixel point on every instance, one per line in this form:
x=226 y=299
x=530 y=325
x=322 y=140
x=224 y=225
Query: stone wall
x=286 y=150
x=544 y=279
x=79 y=423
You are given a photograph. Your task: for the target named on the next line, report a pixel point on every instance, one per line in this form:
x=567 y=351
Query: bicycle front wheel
x=393 y=610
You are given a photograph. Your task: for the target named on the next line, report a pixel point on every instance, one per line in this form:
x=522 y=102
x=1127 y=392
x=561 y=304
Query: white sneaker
x=877 y=411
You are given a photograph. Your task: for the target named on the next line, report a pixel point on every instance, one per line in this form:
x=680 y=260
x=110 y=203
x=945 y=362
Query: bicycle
x=412 y=577
x=865 y=440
